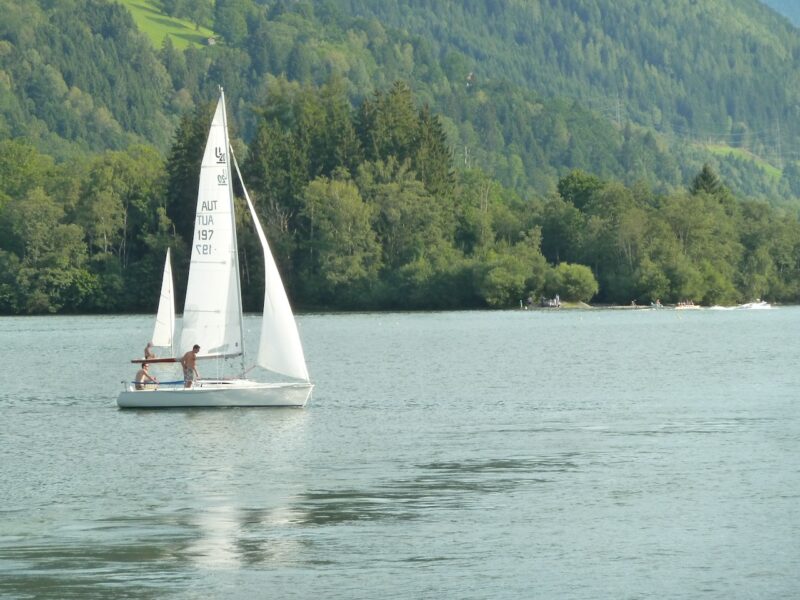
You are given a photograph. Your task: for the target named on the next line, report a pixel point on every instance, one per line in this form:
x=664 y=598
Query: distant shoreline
x=324 y=311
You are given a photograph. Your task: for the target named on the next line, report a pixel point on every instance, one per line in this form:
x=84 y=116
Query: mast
x=235 y=257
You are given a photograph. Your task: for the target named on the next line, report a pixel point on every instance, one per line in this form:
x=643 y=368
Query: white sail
x=212 y=310
x=279 y=348
x=164 y=330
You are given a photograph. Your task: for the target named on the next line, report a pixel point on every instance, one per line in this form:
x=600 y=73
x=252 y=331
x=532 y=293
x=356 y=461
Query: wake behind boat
x=757 y=305
x=212 y=313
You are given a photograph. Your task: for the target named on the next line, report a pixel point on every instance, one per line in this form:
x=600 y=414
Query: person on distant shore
x=148 y=351
x=143 y=376
x=189 y=364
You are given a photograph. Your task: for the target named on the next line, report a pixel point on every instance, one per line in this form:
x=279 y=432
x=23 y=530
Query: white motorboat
x=758 y=305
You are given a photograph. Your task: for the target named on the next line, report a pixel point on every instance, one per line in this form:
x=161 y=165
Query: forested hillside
x=477 y=152
x=78 y=75
x=526 y=90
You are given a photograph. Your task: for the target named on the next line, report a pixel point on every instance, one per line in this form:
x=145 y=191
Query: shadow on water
x=89 y=570
x=148 y=557
x=506 y=465
x=438 y=486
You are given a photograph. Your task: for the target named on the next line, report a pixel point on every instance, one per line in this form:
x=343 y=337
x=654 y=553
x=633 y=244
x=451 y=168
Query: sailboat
x=164 y=329
x=212 y=312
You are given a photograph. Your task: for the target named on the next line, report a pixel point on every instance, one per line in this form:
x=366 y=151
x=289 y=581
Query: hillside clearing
x=157 y=26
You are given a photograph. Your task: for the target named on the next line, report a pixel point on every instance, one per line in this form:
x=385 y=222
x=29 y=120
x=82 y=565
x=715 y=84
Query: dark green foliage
x=230 y=20
x=90 y=238
x=417 y=155
x=578 y=188
x=389 y=126
x=574 y=283
x=476 y=244
x=619 y=89
x=363 y=210
x=183 y=168
x=706 y=181
x=81 y=71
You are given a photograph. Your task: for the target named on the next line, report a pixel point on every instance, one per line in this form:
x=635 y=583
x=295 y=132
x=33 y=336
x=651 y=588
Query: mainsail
x=164 y=330
x=212 y=310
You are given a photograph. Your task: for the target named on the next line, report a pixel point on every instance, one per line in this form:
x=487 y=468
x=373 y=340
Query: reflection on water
x=216 y=544
x=227 y=535
x=229 y=538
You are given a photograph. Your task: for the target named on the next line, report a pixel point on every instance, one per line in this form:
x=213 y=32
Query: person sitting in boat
x=148 y=351
x=143 y=376
x=189 y=364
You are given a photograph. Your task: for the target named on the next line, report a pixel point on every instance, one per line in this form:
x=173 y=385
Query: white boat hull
x=213 y=393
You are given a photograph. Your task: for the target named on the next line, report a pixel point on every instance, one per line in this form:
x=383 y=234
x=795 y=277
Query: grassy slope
x=723 y=150
x=157 y=25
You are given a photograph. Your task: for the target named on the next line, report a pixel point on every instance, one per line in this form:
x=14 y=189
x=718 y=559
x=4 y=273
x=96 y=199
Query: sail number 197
x=204 y=235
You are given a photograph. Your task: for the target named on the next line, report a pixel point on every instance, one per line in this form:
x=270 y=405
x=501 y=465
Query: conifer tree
x=183 y=169
x=706 y=181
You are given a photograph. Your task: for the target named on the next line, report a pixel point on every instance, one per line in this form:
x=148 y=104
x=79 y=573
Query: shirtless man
x=189 y=364
x=148 y=351
x=142 y=376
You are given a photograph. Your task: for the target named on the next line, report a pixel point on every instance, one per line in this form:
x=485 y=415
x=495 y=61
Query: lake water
x=564 y=454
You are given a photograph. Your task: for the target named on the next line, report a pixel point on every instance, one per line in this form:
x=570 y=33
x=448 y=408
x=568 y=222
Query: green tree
x=406 y=220
x=23 y=168
x=388 y=125
x=502 y=279
x=176 y=8
x=201 y=13
x=51 y=273
x=572 y=282
x=706 y=181
x=562 y=230
x=230 y=20
x=344 y=256
x=433 y=160
x=578 y=187
x=508 y=274
x=183 y=169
